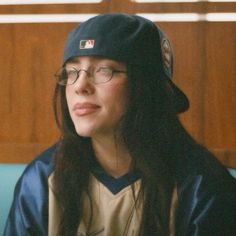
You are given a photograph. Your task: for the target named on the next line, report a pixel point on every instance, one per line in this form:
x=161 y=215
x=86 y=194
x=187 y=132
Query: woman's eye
x=71 y=73
x=104 y=71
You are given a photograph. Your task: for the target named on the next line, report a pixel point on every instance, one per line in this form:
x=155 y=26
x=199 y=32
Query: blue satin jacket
x=206 y=198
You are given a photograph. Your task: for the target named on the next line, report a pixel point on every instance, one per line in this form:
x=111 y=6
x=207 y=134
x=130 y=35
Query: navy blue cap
x=130 y=39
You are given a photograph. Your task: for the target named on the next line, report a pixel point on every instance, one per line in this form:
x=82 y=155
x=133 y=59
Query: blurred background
x=32 y=35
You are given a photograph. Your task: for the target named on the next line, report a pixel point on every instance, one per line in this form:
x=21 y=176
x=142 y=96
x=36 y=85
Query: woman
x=125 y=165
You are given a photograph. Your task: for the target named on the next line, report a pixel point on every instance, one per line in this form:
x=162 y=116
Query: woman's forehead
x=95 y=60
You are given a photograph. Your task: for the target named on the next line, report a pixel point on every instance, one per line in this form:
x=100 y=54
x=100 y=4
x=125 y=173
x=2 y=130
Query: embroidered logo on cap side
x=166 y=52
x=87 y=44
x=166 y=56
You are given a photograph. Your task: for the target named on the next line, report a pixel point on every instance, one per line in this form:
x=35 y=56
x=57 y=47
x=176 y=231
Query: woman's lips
x=82 y=109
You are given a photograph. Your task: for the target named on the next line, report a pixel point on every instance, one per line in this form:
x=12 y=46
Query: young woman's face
x=96 y=109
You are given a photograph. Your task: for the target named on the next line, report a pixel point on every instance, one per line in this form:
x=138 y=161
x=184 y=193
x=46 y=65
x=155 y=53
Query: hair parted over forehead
x=130 y=39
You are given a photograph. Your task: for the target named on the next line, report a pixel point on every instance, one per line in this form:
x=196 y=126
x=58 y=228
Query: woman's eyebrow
x=108 y=63
x=74 y=60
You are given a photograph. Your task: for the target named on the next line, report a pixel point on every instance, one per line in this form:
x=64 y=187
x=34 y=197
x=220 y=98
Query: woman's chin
x=84 y=133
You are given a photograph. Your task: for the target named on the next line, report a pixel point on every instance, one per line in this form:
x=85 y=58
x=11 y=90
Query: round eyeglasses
x=102 y=74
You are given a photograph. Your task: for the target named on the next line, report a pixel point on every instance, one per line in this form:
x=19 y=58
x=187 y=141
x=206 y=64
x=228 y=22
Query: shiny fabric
x=206 y=197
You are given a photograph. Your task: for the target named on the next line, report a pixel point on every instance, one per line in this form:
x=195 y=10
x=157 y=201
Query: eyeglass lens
x=98 y=75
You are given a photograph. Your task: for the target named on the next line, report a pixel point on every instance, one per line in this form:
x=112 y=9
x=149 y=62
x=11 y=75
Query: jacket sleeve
x=29 y=211
x=207 y=208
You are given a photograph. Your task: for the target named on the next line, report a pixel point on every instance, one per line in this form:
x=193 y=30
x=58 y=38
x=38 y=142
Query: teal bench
x=9 y=174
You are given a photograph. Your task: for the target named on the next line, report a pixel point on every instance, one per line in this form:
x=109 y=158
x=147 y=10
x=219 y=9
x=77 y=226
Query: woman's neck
x=112 y=155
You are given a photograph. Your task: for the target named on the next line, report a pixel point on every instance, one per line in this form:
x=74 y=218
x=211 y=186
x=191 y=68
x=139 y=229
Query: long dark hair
x=154 y=137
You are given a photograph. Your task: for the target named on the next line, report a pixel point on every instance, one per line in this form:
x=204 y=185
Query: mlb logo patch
x=87 y=44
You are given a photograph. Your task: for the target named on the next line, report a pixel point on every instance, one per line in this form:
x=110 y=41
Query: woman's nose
x=83 y=85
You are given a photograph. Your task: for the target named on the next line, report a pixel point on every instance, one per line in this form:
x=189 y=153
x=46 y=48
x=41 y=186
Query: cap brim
x=180 y=100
